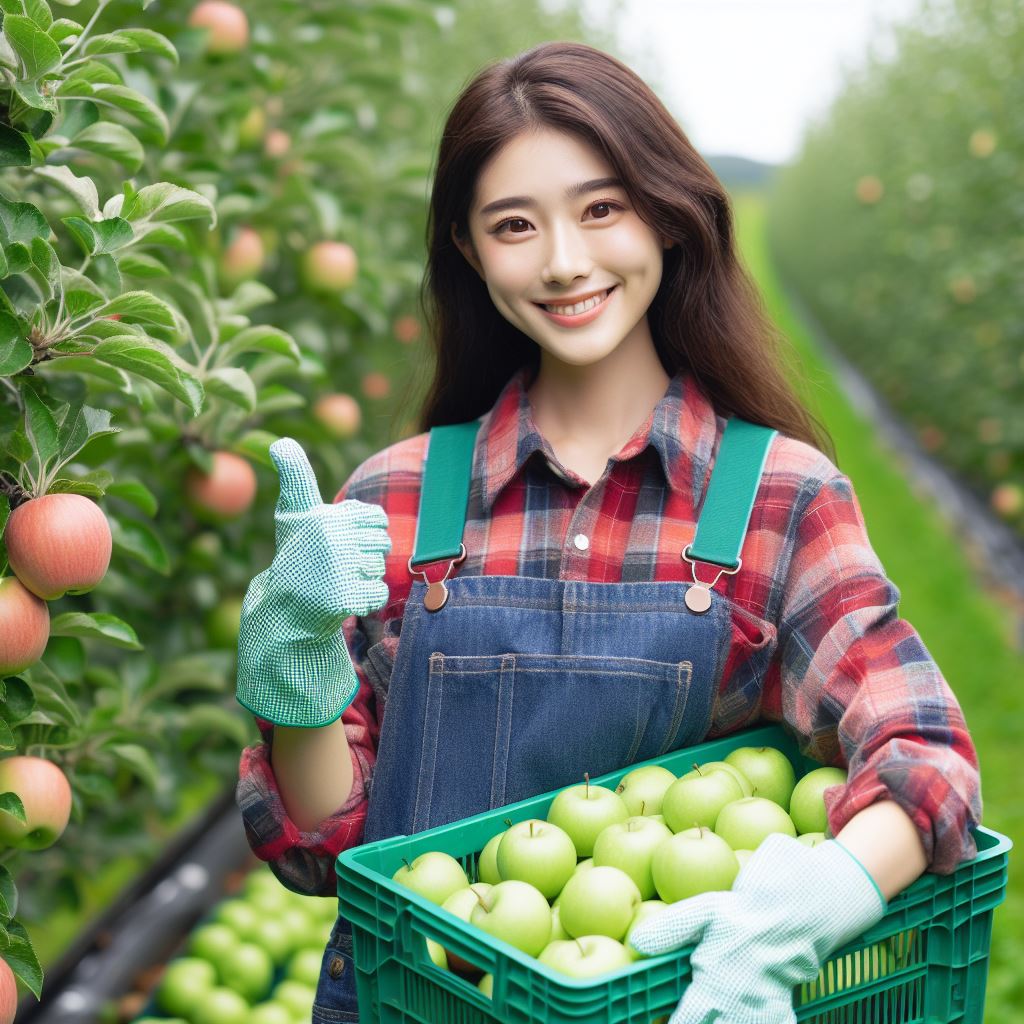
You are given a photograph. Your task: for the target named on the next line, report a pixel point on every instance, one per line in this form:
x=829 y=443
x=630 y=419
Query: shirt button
x=581 y=541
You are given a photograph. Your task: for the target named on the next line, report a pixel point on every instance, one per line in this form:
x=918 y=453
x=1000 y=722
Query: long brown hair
x=707 y=316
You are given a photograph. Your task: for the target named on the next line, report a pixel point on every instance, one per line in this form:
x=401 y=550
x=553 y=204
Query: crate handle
x=423 y=924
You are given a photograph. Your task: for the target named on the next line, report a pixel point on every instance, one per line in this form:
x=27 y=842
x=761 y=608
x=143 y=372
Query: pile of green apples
x=255 y=960
x=569 y=889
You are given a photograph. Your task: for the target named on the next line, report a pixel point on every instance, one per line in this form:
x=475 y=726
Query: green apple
x=583 y=811
x=237 y=914
x=691 y=862
x=270 y=1013
x=297 y=997
x=486 y=985
x=433 y=875
x=304 y=966
x=584 y=865
x=744 y=823
x=769 y=770
x=585 y=957
x=516 y=913
x=557 y=931
x=248 y=970
x=742 y=856
x=538 y=852
x=629 y=845
x=212 y=942
x=646 y=909
x=696 y=801
x=811 y=839
x=276 y=938
x=642 y=789
x=437 y=953
x=221 y=1006
x=600 y=901
x=185 y=984
x=461 y=904
x=868 y=965
x=487 y=862
x=721 y=766
x=807 y=806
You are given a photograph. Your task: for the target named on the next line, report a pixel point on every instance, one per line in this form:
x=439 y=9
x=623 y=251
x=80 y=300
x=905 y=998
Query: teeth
x=580 y=307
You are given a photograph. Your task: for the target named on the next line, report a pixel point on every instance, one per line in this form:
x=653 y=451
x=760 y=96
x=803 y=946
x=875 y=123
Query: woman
x=574 y=591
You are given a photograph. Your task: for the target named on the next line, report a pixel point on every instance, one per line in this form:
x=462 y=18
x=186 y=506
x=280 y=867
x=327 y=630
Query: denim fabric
x=335 y=1000
x=519 y=685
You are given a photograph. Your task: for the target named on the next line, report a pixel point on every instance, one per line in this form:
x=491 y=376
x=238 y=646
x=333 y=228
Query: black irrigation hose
x=146 y=922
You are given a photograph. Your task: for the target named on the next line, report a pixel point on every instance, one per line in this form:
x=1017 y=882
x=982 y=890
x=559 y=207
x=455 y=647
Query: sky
x=743 y=77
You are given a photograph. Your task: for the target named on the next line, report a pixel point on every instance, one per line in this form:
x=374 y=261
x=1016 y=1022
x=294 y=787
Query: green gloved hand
x=294 y=667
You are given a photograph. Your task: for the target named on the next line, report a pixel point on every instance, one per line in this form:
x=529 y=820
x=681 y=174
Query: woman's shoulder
x=795 y=472
x=398 y=467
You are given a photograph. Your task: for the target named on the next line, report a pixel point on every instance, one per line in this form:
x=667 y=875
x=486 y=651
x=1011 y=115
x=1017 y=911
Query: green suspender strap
x=725 y=514
x=443 y=499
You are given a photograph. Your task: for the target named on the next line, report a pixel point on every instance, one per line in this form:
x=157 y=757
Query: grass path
x=964 y=628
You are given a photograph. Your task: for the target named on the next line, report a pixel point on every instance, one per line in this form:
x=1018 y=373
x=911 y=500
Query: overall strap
x=445 y=492
x=725 y=514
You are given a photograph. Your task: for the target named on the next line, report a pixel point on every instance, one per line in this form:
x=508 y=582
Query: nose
x=568 y=256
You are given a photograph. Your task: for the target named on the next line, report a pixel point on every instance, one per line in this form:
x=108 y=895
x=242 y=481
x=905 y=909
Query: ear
x=466 y=247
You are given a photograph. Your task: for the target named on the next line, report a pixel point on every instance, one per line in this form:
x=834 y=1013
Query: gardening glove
x=294 y=667
x=790 y=906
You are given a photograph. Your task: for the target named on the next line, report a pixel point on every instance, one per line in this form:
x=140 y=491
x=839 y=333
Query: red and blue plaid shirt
x=851 y=679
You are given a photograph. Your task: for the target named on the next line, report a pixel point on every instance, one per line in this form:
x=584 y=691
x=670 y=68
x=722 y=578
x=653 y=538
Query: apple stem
x=697 y=825
x=508 y=821
x=531 y=829
x=406 y=863
x=586 y=782
x=583 y=952
x=643 y=806
x=696 y=768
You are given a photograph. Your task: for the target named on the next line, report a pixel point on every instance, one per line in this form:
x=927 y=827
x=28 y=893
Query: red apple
x=277 y=143
x=376 y=385
x=406 y=329
x=24 y=626
x=329 y=266
x=57 y=544
x=46 y=795
x=226 y=493
x=1008 y=500
x=8 y=994
x=228 y=26
x=244 y=257
x=339 y=413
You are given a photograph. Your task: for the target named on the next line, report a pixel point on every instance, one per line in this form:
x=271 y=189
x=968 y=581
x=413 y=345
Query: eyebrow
x=570 y=193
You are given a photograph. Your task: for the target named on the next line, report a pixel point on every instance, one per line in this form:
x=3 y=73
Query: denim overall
x=514 y=686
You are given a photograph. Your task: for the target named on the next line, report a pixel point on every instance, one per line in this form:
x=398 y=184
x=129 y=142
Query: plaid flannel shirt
x=852 y=680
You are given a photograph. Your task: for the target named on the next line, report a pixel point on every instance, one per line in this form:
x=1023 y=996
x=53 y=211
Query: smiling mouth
x=579 y=308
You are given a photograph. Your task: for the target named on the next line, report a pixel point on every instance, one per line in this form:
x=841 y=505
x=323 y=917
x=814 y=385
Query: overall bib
x=504 y=687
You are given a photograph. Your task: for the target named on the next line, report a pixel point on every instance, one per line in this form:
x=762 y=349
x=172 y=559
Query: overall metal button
x=581 y=541
x=336 y=968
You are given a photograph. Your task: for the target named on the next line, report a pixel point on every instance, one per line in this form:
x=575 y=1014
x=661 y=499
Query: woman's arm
x=313 y=768
x=885 y=840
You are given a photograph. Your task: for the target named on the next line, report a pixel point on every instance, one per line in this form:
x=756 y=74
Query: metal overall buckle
x=698 y=597
x=437 y=593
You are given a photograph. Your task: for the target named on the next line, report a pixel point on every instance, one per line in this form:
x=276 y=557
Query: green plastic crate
x=934 y=939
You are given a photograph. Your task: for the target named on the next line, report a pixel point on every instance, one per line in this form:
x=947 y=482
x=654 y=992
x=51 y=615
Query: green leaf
x=39 y=12
x=151 y=42
x=92 y=485
x=166 y=202
x=140 y=264
x=275 y=398
x=157 y=362
x=19 y=701
x=233 y=384
x=40 y=427
x=165 y=234
x=8 y=893
x=81 y=189
x=256 y=445
x=83 y=233
x=210 y=720
x=81 y=425
x=139 y=541
x=7 y=740
x=139 y=760
x=64 y=28
x=143 y=109
x=249 y=295
x=97 y=625
x=111 y=42
x=114 y=141
x=30 y=94
x=17 y=950
x=47 y=262
x=14 y=148
x=10 y=803
x=137 y=494
x=142 y=306
x=209 y=670
x=260 y=338
x=89 y=74
x=80 y=301
x=21 y=222
x=38 y=52
x=15 y=350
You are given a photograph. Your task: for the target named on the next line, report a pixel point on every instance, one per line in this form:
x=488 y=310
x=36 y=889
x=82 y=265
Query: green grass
x=966 y=630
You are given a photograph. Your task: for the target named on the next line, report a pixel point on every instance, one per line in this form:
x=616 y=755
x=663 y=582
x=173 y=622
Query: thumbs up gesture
x=293 y=665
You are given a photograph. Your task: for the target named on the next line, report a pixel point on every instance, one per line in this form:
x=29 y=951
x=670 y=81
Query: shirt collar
x=682 y=427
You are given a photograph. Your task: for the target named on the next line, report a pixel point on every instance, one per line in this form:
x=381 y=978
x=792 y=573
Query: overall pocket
x=336 y=1000
x=503 y=727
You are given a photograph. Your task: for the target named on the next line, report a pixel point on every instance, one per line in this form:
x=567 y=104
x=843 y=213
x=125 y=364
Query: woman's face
x=540 y=245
